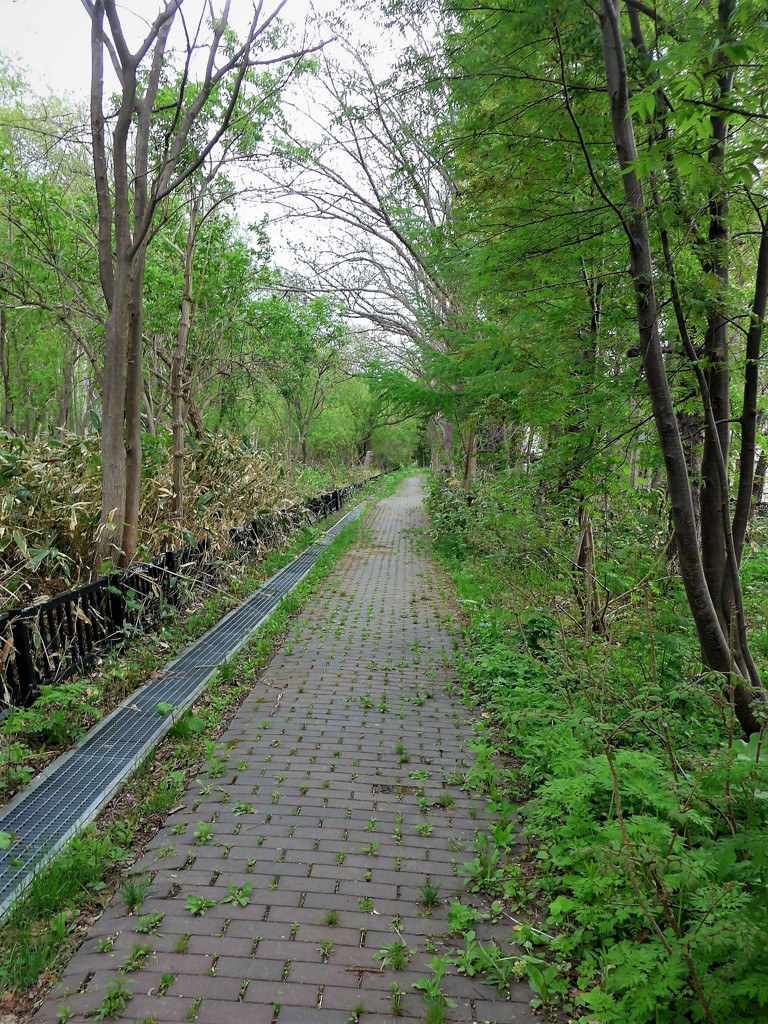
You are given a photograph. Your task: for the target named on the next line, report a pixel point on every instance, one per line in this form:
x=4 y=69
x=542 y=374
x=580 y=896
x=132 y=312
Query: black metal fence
x=46 y=642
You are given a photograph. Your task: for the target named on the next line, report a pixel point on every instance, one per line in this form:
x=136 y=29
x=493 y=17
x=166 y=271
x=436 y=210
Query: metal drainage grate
x=71 y=791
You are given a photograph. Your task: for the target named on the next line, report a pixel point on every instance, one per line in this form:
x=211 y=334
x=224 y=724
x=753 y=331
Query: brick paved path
x=337 y=804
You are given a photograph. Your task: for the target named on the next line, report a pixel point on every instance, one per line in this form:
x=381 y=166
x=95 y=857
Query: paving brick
x=235 y=1013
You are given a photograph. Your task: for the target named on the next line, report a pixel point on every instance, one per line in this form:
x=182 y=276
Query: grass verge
x=645 y=812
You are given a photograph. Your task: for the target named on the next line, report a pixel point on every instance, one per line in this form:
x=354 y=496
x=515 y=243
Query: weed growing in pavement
x=134 y=891
x=356 y=1015
x=149 y=924
x=396 y=1000
x=436 y=1002
x=203 y=833
x=395 y=955
x=194 y=1008
x=166 y=980
x=238 y=897
x=484 y=873
x=116 y=997
x=489 y=963
x=462 y=918
x=325 y=948
x=198 y=906
x=429 y=895
x=136 y=959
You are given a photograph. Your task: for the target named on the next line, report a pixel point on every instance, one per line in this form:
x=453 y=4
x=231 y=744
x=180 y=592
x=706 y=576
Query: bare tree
x=380 y=188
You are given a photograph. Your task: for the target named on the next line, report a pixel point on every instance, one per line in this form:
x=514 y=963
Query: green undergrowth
x=31 y=737
x=50 y=920
x=646 y=812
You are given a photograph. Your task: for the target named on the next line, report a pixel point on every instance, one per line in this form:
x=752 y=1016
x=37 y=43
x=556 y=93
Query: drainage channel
x=72 y=790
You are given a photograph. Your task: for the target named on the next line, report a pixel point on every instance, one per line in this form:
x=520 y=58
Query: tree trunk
x=5 y=369
x=469 y=460
x=441 y=438
x=178 y=362
x=65 y=395
x=195 y=418
x=585 y=583
x=715 y=645
x=177 y=429
x=109 y=543
x=714 y=503
x=134 y=394
x=149 y=409
x=758 y=486
x=752 y=480
x=692 y=433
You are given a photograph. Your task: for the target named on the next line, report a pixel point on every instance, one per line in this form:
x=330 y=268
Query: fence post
x=25 y=666
x=117 y=606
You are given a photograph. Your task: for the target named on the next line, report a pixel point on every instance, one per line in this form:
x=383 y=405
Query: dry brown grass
x=49 y=510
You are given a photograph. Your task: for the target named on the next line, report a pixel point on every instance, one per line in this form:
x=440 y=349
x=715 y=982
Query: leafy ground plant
x=395 y=955
x=436 y=1002
x=644 y=814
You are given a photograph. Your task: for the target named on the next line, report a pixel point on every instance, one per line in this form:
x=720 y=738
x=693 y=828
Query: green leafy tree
x=302 y=345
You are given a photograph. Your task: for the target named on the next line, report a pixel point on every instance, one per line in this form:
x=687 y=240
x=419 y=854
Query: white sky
x=51 y=37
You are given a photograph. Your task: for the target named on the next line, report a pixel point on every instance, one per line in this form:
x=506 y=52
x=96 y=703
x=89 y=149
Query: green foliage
x=436 y=1002
x=27 y=948
x=395 y=955
x=116 y=997
x=647 y=815
x=59 y=716
x=15 y=767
